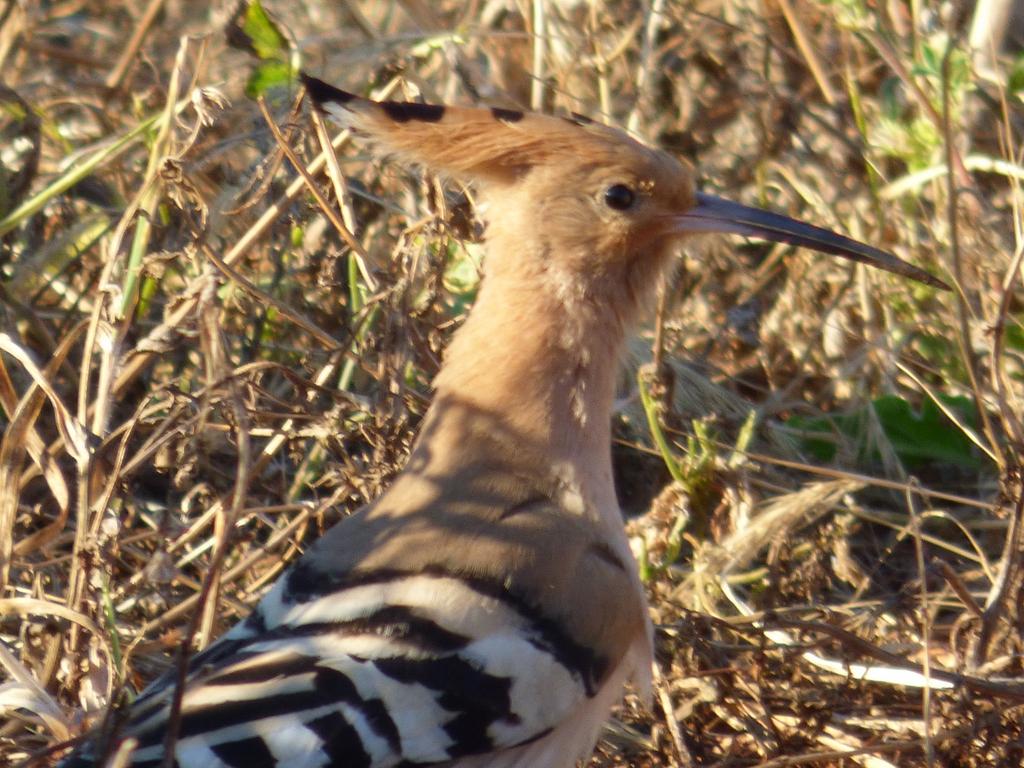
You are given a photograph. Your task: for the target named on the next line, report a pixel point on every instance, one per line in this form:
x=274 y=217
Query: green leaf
x=1014 y=335
x=927 y=437
x=264 y=38
x=817 y=436
x=919 y=439
x=1015 y=81
x=890 y=96
x=270 y=74
x=462 y=277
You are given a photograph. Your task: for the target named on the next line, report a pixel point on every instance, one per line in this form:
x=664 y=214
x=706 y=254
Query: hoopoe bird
x=486 y=610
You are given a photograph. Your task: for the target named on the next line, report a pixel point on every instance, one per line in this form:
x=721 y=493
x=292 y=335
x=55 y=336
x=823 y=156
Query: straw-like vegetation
x=201 y=370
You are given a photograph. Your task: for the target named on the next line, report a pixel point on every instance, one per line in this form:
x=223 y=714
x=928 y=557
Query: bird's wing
x=381 y=666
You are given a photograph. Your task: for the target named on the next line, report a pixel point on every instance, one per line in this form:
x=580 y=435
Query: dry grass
x=197 y=378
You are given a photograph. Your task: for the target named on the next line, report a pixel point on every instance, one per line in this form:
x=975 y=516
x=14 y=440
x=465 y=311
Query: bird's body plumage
x=377 y=650
x=486 y=610
x=390 y=664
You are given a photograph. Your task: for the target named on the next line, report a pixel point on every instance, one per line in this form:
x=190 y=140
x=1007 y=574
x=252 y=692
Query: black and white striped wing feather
x=372 y=670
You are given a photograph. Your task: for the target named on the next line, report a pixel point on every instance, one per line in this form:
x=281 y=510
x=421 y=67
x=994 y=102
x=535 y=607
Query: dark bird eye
x=619 y=196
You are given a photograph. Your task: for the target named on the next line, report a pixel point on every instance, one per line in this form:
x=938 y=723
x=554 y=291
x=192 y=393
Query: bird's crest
x=489 y=145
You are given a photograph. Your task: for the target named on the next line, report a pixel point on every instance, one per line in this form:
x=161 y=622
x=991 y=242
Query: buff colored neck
x=527 y=385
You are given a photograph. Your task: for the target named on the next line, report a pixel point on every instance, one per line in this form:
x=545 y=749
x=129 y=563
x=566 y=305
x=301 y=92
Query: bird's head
x=572 y=196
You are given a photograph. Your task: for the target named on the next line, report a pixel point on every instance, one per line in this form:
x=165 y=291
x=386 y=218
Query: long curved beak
x=714 y=214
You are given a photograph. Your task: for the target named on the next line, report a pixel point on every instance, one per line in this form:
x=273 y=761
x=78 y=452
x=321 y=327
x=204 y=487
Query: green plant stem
x=654 y=424
x=78 y=172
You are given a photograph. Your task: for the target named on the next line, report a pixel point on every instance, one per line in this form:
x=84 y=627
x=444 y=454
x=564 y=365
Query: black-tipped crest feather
x=321 y=92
